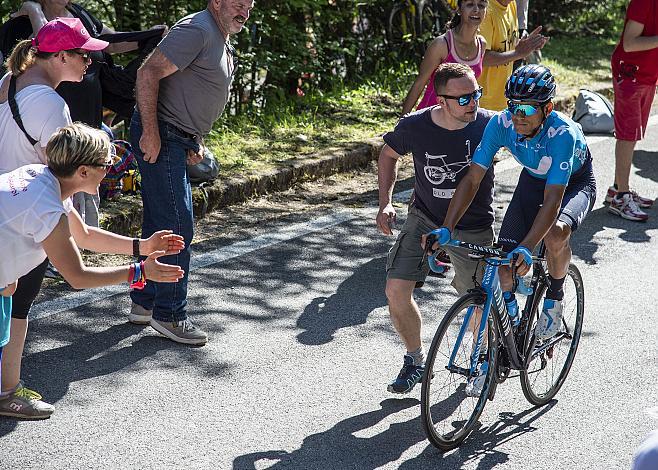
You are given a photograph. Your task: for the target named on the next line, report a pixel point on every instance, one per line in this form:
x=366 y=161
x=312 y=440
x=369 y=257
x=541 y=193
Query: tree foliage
x=290 y=46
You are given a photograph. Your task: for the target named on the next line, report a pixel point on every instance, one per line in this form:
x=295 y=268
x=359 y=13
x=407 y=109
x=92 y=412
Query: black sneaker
x=408 y=377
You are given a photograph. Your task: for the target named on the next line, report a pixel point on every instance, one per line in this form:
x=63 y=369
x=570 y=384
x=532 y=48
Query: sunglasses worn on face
x=523 y=109
x=83 y=54
x=463 y=100
x=106 y=166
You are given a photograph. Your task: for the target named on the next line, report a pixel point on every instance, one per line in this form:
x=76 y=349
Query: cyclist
x=441 y=139
x=556 y=188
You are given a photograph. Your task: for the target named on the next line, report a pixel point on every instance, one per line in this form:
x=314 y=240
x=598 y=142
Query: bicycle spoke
x=550 y=361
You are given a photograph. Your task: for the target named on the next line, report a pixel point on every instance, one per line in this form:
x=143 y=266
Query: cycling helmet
x=531 y=83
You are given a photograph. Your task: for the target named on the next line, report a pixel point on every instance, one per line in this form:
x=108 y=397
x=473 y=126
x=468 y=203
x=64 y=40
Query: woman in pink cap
x=59 y=52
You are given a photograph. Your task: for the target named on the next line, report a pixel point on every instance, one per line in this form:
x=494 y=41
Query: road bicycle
x=477 y=327
x=412 y=22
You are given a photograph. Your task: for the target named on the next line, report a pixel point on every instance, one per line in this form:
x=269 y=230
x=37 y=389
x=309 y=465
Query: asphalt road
x=301 y=350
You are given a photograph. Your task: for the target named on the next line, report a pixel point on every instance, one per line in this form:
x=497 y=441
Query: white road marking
x=201 y=260
x=80 y=298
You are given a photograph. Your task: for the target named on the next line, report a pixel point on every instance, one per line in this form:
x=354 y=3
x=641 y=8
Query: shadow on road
x=599 y=220
x=349 y=306
x=94 y=354
x=646 y=164
x=339 y=447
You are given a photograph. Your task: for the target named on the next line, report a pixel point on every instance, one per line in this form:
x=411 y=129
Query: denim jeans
x=167 y=202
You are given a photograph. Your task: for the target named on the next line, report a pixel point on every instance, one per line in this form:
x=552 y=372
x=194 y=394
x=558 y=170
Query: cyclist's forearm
x=543 y=223
x=464 y=195
x=387 y=173
x=461 y=201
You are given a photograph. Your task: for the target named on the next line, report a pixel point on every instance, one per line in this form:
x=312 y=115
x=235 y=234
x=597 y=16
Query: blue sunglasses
x=523 y=109
x=463 y=100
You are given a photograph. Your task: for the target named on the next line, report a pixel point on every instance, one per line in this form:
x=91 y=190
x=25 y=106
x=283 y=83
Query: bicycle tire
x=401 y=25
x=433 y=16
x=433 y=379
x=572 y=321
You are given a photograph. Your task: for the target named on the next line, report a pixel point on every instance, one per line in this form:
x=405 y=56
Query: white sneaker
x=475 y=384
x=550 y=320
x=627 y=208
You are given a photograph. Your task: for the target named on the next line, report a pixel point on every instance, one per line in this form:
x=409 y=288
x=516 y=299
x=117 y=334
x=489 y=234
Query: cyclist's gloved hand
x=441 y=236
x=521 y=252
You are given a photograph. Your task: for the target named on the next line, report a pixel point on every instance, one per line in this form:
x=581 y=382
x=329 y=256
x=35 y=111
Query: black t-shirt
x=83 y=98
x=441 y=160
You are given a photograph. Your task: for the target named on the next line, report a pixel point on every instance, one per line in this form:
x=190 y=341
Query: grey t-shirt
x=441 y=160
x=194 y=96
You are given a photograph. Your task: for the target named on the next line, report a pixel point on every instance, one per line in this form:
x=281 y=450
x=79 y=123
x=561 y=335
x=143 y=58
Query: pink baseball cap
x=62 y=34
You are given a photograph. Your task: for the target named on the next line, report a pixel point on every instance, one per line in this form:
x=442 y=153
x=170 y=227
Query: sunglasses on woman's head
x=463 y=100
x=524 y=109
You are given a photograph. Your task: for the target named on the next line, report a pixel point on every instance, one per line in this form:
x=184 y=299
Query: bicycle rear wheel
x=548 y=363
x=448 y=414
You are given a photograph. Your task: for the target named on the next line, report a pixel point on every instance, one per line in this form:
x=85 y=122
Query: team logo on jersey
x=552 y=132
x=505 y=118
x=437 y=170
x=543 y=166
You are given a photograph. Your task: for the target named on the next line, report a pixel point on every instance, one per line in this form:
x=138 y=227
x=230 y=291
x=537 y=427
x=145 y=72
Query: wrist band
x=136 y=247
x=137 y=276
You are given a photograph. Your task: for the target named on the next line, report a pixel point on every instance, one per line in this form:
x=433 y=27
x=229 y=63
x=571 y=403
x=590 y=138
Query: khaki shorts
x=406 y=254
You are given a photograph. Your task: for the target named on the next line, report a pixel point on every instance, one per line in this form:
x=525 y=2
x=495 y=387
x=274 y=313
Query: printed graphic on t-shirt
x=437 y=170
x=508 y=43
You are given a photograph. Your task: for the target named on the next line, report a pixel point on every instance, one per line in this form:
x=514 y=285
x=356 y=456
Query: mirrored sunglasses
x=463 y=100
x=523 y=109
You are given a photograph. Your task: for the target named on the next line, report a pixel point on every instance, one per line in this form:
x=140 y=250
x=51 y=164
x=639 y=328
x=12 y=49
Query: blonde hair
x=74 y=145
x=23 y=56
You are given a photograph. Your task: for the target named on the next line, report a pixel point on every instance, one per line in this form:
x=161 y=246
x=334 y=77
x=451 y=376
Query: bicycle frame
x=492 y=295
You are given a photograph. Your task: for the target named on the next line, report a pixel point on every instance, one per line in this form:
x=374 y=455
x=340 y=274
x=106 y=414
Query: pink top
x=429 y=98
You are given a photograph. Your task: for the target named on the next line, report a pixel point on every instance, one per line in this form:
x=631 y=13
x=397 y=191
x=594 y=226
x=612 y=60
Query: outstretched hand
x=160 y=272
x=530 y=43
x=164 y=240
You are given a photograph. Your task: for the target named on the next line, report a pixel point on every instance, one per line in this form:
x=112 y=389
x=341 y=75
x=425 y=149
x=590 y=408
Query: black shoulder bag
x=14 y=109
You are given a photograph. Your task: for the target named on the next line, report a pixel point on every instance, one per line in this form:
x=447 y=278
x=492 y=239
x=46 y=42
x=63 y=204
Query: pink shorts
x=632 y=107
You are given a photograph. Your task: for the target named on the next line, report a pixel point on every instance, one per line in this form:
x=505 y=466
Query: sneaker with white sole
x=139 y=315
x=24 y=403
x=626 y=208
x=642 y=202
x=409 y=376
x=475 y=384
x=180 y=331
x=550 y=320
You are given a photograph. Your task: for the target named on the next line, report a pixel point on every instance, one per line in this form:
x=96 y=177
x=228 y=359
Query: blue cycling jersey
x=557 y=151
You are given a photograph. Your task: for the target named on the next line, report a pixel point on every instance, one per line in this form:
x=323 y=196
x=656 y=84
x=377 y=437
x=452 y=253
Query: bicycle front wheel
x=448 y=414
x=548 y=363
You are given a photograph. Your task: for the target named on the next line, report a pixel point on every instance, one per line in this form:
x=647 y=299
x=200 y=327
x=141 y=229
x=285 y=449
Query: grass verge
x=348 y=114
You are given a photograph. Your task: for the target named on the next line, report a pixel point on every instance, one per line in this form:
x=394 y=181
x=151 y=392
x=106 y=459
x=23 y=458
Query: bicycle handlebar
x=494 y=256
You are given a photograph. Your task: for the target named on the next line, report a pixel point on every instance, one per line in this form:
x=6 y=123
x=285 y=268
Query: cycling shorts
x=528 y=197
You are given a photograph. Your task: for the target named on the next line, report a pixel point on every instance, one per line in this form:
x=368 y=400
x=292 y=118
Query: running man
x=556 y=189
x=441 y=139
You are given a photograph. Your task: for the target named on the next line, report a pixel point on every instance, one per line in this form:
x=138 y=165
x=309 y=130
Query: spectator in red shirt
x=634 y=78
